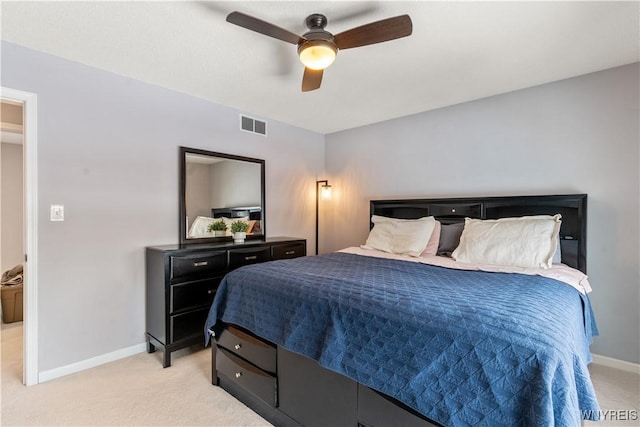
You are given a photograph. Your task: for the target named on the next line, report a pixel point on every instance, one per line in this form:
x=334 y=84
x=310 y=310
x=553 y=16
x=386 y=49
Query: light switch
x=57 y=212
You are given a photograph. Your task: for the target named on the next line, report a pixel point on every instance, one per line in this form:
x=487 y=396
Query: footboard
x=288 y=389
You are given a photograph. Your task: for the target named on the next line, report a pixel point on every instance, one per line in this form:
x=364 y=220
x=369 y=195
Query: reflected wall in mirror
x=223 y=188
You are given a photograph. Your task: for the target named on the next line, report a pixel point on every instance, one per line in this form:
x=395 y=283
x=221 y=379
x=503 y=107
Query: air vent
x=253 y=125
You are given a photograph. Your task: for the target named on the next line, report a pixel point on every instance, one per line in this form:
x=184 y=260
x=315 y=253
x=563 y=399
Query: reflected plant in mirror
x=216 y=190
x=218 y=227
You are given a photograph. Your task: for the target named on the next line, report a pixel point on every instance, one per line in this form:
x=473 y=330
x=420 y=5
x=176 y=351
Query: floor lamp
x=324 y=188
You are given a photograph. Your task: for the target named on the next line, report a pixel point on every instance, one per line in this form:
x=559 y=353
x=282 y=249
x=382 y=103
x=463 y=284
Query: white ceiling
x=459 y=51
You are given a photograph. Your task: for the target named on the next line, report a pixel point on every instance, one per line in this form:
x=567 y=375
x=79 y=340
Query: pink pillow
x=434 y=240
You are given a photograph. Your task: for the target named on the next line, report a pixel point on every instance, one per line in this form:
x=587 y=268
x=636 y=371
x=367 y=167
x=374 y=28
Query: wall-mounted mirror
x=219 y=187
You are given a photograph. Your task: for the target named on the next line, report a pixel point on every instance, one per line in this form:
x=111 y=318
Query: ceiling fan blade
x=311 y=79
x=375 y=32
x=263 y=27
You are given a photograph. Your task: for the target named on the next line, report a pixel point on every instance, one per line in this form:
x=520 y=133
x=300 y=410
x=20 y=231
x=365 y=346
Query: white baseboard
x=90 y=363
x=616 y=363
x=140 y=348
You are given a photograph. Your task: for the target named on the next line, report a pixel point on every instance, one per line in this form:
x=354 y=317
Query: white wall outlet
x=57 y=212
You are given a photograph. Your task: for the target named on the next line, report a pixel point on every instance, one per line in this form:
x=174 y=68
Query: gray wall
x=573 y=136
x=12 y=206
x=197 y=191
x=108 y=151
x=242 y=184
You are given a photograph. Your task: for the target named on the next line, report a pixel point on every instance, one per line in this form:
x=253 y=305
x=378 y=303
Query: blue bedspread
x=460 y=347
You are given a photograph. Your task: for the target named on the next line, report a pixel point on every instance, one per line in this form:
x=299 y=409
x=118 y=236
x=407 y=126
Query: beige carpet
x=618 y=395
x=137 y=391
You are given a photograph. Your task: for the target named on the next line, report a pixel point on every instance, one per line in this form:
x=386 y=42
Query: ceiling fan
x=318 y=48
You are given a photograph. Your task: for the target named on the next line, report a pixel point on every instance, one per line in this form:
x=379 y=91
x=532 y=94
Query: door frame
x=30 y=229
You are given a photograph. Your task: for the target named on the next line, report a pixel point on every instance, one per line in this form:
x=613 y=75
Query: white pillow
x=199 y=227
x=528 y=241
x=434 y=241
x=400 y=236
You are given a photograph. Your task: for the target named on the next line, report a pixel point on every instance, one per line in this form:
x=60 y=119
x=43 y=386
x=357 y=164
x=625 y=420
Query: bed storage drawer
x=240 y=257
x=198 y=265
x=288 y=251
x=249 y=347
x=237 y=370
x=188 y=295
x=315 y=396
x=376 y=410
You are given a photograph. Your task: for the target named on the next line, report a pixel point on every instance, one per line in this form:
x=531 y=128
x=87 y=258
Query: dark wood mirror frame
x=183 y=226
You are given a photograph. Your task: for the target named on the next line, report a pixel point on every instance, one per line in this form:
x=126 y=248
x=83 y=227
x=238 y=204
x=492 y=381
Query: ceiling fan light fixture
x=317 y=54
x=317 y=48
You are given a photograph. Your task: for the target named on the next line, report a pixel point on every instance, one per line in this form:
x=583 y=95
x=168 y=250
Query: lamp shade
x=317 y=54
x=325 y=191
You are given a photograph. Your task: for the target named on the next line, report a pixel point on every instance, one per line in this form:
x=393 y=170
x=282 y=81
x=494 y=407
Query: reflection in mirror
x=219 y=189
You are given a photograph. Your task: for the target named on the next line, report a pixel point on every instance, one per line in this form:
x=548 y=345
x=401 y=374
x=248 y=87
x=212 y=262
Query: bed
x=371 y=337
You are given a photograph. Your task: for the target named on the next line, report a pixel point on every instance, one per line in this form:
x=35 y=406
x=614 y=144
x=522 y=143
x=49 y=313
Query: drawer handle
x=238 y=374
x=290 y=252
x=249 y=258
x=237 y=346
x=453 y=210
x=211 y=291
x=200 y=264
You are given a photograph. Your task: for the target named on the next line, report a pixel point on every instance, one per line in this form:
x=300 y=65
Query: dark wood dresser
x=181 y=281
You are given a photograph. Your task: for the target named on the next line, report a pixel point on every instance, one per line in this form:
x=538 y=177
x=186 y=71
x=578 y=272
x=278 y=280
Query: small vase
x=239 y=236
x=219 y=233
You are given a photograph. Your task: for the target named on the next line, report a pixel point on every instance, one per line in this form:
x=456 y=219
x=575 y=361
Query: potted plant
x=218 y=228
x=239 y=230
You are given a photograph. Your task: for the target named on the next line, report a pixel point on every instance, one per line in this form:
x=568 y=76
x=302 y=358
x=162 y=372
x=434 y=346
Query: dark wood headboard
x=252 y=212
x=572 y=207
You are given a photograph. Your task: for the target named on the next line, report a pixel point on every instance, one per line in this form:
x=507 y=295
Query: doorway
x=11 y=236
x=28 y=102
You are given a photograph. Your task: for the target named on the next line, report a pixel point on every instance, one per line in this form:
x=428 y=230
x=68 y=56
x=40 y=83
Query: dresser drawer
x=188 y=295
x=234 y=369
x=473 y=210
x=249 y=347
x=240 y=257
x=199 y=265
x=288 y=251
x=188 y=325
